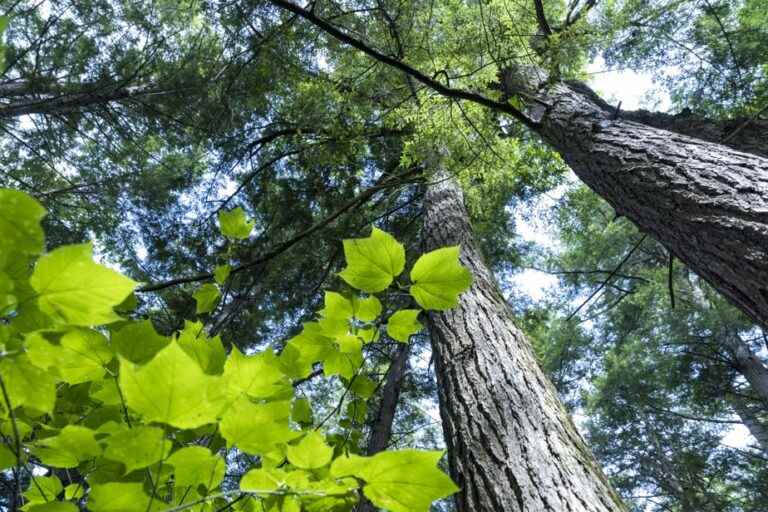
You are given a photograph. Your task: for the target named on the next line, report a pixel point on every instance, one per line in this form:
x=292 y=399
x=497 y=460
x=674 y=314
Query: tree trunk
x=706 y=202
x=512 y=446
x=750 y=419
x=750 y=366
x=36 y=99
x=381 y=433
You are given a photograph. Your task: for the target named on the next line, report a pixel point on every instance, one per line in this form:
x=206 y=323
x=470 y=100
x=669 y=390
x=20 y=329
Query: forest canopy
x=279 y=256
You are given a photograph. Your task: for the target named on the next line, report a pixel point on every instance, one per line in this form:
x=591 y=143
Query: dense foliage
x=223 y=155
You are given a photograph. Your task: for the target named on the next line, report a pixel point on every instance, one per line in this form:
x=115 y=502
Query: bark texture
x=512 y=446
x=706 y=202
x=749 y=365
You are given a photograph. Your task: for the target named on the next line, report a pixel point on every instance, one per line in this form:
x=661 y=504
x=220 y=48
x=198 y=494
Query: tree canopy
x=235 y=267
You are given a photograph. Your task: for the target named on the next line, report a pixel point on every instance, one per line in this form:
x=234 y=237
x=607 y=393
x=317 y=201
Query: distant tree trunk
x=381 y=433
x=750 y=419
x=706 y=202
x=512 y=446
x=750 y=366
x=31 y=98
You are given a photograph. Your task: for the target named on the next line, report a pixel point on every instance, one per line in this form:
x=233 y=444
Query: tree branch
x=433 y=84
x=282 y=247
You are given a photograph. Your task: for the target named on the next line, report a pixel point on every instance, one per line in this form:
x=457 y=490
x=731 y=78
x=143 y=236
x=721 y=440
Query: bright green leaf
x=73 y=445
x=172 y=389
x=196 y=465
x=373 y=262
x=53 y=506
x=80 y=356
x=74 y=491
x=7 y=457
x=263 y=480
x=257 y=376
x=301 y=411
x=438 y=279
x=234 y=224
x=74 y=289
x=27 y=384
x=207 y=298
x=137 y=447
x=366 y=309
x=138 y=342
x=257 y=428
x=311 y=452
x=118 y=497
x=221 y=273
x=399 y=481
x=403 y=323
x=208 y=352
x=43 y=489
x=20 y=217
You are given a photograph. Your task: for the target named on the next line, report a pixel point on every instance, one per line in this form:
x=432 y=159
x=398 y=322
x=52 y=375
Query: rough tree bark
x=381 y=433
x=706 y=202
x=749 y=365
x=511 y=444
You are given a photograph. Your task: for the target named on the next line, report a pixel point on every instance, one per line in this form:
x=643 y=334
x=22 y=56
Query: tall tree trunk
x=750 y=419
x=381 y=433
x=706 y=202
x=52 y=99
x=749 y=365
x=512 y=446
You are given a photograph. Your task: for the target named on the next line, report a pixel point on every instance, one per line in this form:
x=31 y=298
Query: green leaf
x=336 y=306
x=7 y=458
x=172 y=389
x=301 y=412
x=399 y=481
x=438 y=279
x=72 y=446
x=43 y=489
x=256 y=376
x=208 y=352
x=80 y=356
x=118 y=497
x=263 y=480
x=366 y=309
x=311 y=452
x=196 y=465
x=74 y=491
x=342 y=363
x=257 y=428
x=373 y=262
x=363 y=386
x=137 y=447
x=302 y=351
x=20 y=217
x=233 y=224
x=207 y=298
x=28 y=385
x=221 y=273
x=403 y=323
x=138 y=342
x=53 y=506
x=77 y=291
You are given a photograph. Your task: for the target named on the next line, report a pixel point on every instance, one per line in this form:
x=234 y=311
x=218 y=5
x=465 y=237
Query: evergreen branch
x=282 y=247
x=444 y=90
